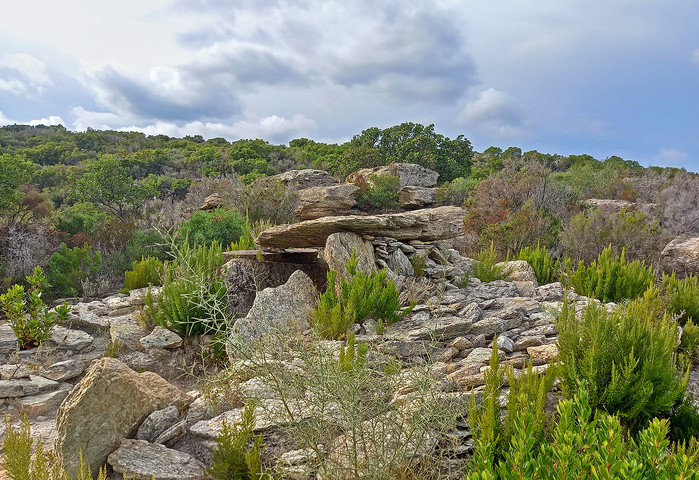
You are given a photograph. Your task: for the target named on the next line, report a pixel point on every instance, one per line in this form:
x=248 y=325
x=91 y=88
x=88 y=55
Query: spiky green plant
x=543 y=263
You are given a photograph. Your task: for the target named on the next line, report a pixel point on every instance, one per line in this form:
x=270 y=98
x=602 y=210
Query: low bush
x=381 y=193
x=486 y=267
x=238 y=454
x=584 y=445
x=684 y=422
x=21 y=464
x=455 y=192
x=626 y=358
x=192 y=299
x=543 y=263
x=684 y=296
x=30 y=319
x=611 y=278
x=689 y=342
x=145 y=272
x=68 y=268
x=207 y=226
x=346 y=302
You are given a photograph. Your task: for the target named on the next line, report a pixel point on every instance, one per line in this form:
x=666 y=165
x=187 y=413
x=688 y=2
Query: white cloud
x=494 y=112
x=4 y=120
x=670 y=157
x=51 y=120
x=23 y=73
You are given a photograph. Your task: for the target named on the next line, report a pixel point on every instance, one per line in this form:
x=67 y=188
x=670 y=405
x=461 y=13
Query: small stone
x=24 y=387
x=15 y=371
x=157 y=422
x=8 y=340
x=461 y=343
x=523 y=343
x=44 y=402
x=161 y=338
x=141 y=460
x=479 y=355
x=69 y=339
x=62 y=371
x=127 y=335
x=546 y=353
x=447 y=354
x=505 y=344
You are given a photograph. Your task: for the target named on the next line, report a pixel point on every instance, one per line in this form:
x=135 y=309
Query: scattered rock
x=141 y=460
x=23 y=387
x=339 y=248
x=682 y=256
x=416 y=197
x=161 y=338
x=158 y=422
x=69 y=339
x=546 y=353
x=108 y=404
x=8 y=340
x=307 y=178
x=127 y=335
x=212 y=201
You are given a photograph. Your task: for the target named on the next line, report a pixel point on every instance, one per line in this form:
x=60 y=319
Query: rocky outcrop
x=308 y=178
x=280 y=310
x=411 y=197
x=339 y=248
x=408 y=173
x=317 y=202
x=212 y=201
x=107 y=405
x=426 y=224
x=682 y=256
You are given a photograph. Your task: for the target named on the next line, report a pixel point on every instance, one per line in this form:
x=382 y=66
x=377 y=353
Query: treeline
x=65 y=196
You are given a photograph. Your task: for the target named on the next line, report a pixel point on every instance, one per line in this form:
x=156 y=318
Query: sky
x=597 y=77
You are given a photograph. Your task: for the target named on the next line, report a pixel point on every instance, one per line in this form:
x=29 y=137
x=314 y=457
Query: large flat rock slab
x=425 y=225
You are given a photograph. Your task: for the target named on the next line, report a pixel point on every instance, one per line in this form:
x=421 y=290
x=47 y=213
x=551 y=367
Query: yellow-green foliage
x=684 y=296
x=485 y=267
x=353 y=357
x=147 y=271
x=237 y=454
x=611 y=278
x=363 y=296
x=20 y=464
x=588 y=446
x=543 y=263
x=250 y=231
x=627 y=358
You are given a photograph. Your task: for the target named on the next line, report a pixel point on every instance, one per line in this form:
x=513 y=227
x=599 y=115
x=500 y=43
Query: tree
x=15 y=171
x=410 y=143
x=106 y=182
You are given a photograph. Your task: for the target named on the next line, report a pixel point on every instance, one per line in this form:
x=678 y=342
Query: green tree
x=410 y=143
x=106 y=182
x=15 y=171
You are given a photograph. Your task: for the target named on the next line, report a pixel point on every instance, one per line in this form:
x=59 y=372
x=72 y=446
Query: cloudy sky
x=602 y=77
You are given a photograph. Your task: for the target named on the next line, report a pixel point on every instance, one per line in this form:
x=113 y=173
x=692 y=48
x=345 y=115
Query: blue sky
x=613 y=77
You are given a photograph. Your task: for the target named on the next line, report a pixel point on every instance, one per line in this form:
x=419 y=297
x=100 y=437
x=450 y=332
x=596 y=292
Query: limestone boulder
x=424 y=224
x=411 y=197
x=279 y=310
x=106 y=406
x=307 y=178
x=519 y=271
x=682 y=256
x=408 y=173
x=339 y=248
x=212 y=201
x=317 y=202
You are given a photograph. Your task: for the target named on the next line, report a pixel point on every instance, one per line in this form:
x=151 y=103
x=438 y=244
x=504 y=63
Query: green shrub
x=381 y=193
x=68 y=268
x=353 y=357
x=543 y=263
x=237 y=455
x=455 y=192
x=206 y=226
x=587 y=446
x=30 y=320
x=192 y=299
x=611 y=278
x=20 y=464
x=250 y=232
x=684 y=296
x=485 y=267
x=528 y=391
x=352 y=301
x=147 y=271
x=689 y=342
x=684 y=422
x=627 y=358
